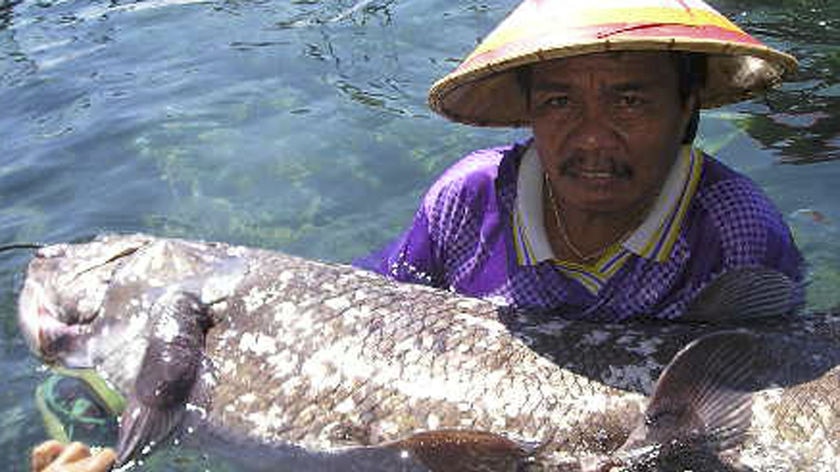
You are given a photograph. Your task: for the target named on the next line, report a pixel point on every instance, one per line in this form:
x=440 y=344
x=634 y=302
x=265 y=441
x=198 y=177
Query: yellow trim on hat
x=484 y=89
x=510 y=32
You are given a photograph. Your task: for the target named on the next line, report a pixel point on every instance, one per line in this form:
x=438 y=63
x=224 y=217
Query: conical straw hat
x=484 y=89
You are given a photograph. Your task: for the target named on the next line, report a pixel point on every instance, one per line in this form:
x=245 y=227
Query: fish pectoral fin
x=174 y=355
x=704 y=396
x=142 y=427
x=745 y=294
x=464 y=450
x=168 y=373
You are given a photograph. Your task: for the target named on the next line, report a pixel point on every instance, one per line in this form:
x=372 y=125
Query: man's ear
x=691 y=117
x=523 y=80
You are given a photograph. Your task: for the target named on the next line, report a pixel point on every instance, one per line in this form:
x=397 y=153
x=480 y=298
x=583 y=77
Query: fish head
x=78 y=298
x=64 y=290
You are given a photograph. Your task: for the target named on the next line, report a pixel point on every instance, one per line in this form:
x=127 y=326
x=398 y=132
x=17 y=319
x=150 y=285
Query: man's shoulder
x=715 y=171
x=477 y=171
x=481 y=163
x=736 y=206
x=723 y=189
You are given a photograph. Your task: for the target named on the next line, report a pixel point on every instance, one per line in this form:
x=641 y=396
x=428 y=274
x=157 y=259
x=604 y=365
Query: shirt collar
x=653 y=239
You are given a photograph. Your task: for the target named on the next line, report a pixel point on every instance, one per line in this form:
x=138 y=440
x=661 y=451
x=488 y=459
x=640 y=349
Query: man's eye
x=557 y=101
x=631 y=101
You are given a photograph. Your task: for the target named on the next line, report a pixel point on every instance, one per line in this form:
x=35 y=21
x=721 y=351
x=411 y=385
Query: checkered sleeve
x=442 y=246
x=410 y=258
x=752 y=231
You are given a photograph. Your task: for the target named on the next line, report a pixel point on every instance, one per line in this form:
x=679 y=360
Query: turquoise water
x=302 y=126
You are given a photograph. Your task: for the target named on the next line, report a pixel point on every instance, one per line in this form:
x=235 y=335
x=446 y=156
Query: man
x=607 y=212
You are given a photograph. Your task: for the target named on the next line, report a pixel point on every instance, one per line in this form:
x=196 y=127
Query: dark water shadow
x=7 y=12
x=800 y=119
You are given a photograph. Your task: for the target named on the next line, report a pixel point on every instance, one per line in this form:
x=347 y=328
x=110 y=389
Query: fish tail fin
x=747 y=293
x=704 y=397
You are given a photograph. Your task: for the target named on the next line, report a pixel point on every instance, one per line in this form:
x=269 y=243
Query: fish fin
x=464 y=450
x=704 y=396
x=746 y=293
x=168 y=373
x=142 y=427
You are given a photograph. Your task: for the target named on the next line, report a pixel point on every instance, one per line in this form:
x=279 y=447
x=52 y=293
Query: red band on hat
x=624 y=31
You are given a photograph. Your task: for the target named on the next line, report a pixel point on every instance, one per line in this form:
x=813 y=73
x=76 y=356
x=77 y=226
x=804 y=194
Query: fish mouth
x=41 y=324
x=62 y=295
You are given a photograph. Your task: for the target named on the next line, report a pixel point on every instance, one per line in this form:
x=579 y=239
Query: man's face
x=607 y=127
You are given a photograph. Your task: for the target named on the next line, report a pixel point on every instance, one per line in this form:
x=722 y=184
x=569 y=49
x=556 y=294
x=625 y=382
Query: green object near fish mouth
x=78 y=405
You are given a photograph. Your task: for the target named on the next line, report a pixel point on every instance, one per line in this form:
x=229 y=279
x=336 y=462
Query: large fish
x=292 y=364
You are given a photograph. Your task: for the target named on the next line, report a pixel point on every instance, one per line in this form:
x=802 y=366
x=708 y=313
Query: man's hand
x=53 y=456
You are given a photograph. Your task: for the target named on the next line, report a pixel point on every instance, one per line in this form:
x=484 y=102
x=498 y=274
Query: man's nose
x=594 y=129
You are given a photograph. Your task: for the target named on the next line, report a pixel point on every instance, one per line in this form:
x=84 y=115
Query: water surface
x=302 y=126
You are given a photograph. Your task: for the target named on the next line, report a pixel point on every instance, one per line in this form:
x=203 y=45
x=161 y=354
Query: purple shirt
x=468 y=236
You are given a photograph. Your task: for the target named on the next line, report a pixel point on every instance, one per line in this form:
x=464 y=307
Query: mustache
x=576 y=165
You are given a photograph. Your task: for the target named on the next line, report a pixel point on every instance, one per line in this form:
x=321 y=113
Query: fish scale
x=387 y=397
x=325 y=356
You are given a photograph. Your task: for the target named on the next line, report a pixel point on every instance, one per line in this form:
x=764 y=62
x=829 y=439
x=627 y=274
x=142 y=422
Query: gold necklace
x=565 y=235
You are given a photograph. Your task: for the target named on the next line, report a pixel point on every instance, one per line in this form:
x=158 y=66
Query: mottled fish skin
x=325 y=356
